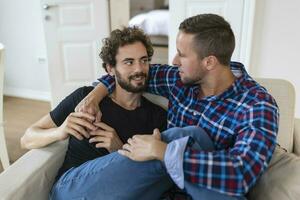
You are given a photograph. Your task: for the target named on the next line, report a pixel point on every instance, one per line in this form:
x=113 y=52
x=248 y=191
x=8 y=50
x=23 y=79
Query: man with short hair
x=205 y=89
x=126 y=55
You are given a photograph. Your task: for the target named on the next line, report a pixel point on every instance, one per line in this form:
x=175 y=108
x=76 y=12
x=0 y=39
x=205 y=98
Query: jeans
x=114 y=176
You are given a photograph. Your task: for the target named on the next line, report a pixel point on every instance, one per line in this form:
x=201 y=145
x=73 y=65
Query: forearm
x=37 y=138
x=98 y=93
x=160 y=150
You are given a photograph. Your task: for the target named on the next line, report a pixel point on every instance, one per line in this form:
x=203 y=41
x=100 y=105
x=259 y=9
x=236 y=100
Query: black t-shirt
x=127 y=123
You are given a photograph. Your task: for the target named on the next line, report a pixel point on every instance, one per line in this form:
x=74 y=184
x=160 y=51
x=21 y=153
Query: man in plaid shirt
x=205 y=89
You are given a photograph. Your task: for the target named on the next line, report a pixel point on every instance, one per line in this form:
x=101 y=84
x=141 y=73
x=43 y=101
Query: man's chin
x=183 y=79
x=188 y=81
x=137 y=88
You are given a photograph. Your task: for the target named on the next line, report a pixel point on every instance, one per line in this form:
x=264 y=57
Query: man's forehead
x=185 y=37
x=134 y=50
x=185 y=41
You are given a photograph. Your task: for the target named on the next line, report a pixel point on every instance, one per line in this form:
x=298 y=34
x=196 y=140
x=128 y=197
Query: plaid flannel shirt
x=242 y=122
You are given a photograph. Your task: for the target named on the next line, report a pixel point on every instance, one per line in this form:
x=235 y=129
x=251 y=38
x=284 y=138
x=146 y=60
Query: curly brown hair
x=213 y=36
x=119 y=38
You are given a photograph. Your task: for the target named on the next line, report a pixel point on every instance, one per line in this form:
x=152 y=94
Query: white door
x=239 y=13
x=74 y=30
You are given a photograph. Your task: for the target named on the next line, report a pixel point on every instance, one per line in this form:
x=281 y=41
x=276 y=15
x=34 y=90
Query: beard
x=126 y=84
x=195 y=78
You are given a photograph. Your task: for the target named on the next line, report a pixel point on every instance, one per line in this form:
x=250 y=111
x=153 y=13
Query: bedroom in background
x=150 y=15
x=160 y=20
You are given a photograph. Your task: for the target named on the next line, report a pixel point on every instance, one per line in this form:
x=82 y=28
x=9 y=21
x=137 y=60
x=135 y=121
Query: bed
x=155 y=23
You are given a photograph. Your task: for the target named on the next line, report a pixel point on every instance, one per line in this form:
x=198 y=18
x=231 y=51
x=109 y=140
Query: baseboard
x=27 y=93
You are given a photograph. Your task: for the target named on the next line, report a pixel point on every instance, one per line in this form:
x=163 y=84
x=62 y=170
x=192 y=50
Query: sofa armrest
x=32 y=175
x=296 y=144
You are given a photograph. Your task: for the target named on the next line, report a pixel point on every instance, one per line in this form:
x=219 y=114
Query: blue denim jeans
x=114 y=177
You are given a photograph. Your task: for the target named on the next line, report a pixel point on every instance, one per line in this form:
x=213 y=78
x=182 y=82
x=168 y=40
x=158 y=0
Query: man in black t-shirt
x=126 y=55
x=125 y=123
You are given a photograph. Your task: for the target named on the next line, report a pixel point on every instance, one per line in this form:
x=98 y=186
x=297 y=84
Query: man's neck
x=216 y=82
x=127 y=100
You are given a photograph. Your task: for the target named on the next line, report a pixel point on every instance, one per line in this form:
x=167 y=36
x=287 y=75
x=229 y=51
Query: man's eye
x=178 y=54
x=145 y=60
x=128 y=62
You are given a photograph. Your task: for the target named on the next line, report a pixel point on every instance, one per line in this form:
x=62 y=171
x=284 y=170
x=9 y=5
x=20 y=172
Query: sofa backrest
x=1 y=81
x=284 y=94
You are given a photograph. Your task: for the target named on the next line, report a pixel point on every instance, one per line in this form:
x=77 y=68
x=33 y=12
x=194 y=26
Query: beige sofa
x=32 y=175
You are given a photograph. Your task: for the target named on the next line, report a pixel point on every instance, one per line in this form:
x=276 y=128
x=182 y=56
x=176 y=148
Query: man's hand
x=145 y=147
x=76 y=124
x=89 y=105
x=106 y=137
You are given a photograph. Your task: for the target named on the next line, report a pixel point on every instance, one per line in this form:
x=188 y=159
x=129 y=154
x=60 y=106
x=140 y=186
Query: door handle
x=47 y=6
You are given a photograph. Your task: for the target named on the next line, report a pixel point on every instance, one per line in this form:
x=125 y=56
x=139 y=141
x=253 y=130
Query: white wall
x=21 y=31
x=276 y=42
x=275 y=53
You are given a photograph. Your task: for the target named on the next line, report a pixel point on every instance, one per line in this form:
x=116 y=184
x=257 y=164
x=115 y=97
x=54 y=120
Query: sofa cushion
x=32 y=175
x=281 y=180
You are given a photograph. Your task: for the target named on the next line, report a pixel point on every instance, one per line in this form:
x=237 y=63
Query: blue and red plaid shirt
x=242 y=123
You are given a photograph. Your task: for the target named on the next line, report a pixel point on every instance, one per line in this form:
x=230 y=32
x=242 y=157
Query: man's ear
x=110 y=69
x=210 y=62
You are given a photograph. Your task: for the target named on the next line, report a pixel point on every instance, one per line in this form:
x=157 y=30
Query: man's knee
x=176 y=133
x=202 y=140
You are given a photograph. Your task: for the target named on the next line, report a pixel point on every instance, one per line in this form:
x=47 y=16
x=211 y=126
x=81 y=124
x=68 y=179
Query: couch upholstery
x=32 y=175
x=4 y=160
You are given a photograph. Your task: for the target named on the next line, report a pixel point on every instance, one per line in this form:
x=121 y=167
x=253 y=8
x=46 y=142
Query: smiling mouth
x=140 y=78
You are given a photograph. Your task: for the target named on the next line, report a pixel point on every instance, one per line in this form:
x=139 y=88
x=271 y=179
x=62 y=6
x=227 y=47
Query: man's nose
x=176 y=61
x=138 y=67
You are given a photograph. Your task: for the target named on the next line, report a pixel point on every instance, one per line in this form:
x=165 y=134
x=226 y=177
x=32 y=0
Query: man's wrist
x=58 y=136
x=160 y=150
x=102 y=91
x=94 y=95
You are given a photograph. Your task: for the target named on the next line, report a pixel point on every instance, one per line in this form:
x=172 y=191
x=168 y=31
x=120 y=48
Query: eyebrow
x=131 y=59
x=127 y=59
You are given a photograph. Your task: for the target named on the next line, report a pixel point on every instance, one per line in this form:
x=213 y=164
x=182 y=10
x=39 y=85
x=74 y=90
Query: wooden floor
x=18 y=115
